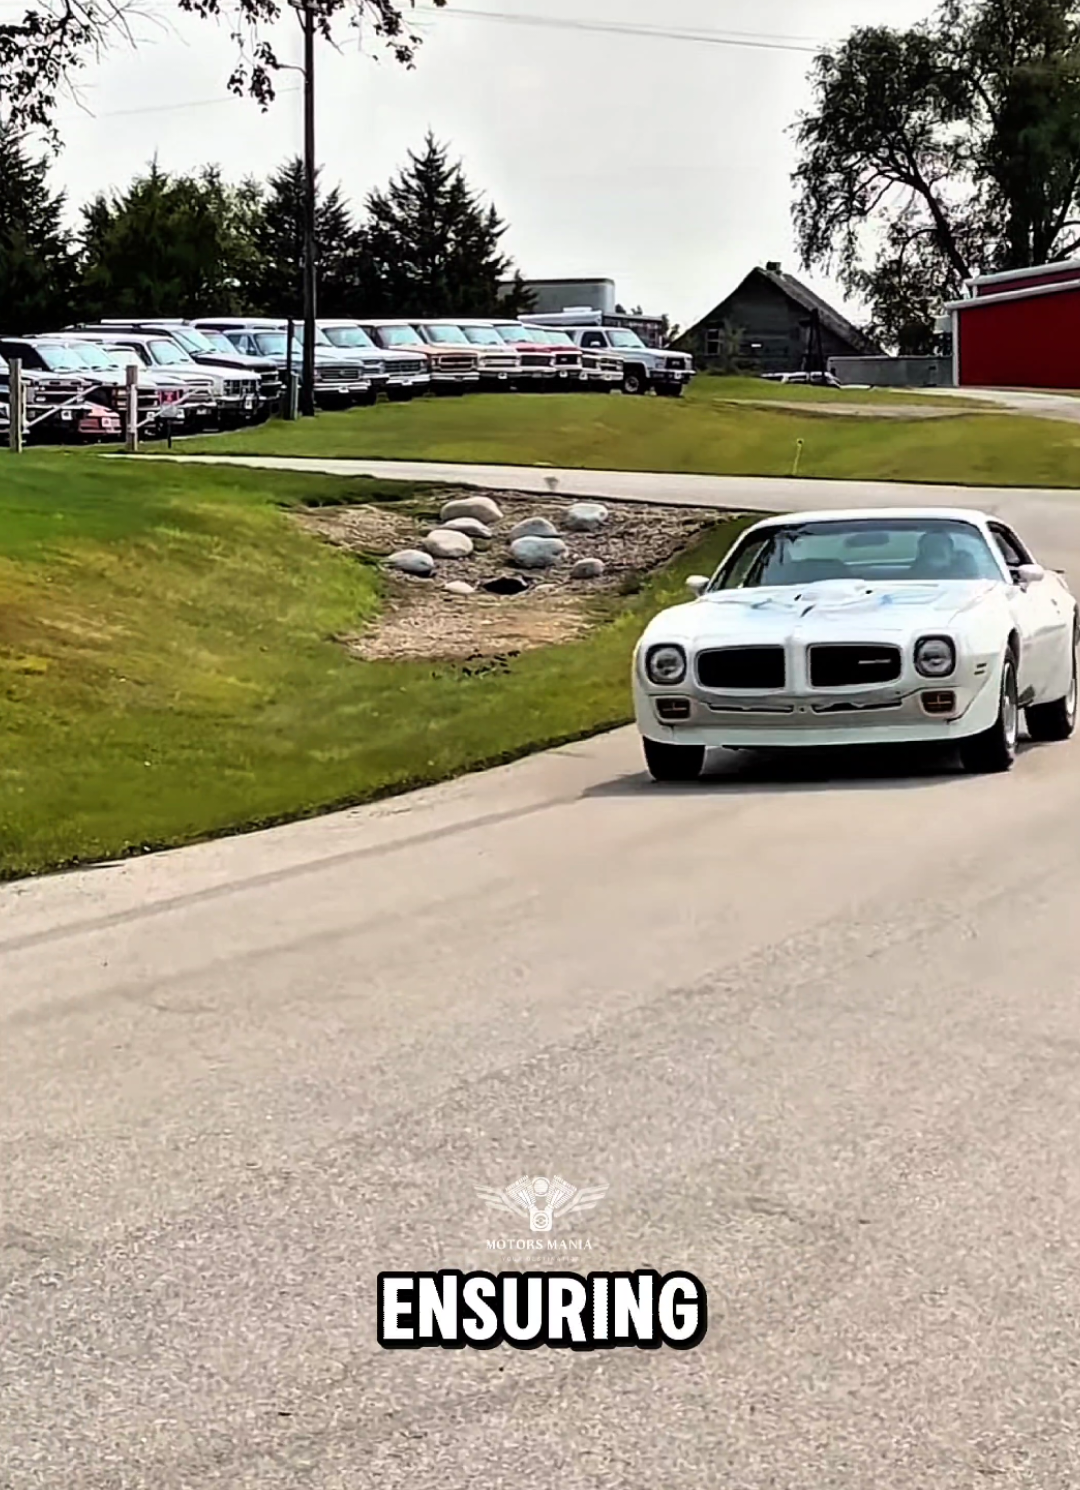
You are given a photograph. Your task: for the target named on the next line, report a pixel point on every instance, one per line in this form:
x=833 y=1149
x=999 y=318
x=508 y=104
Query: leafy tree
x=169 y=245
x=940 y=152
x=275 y=285
x=431 y=248
x=43 y=51
x=38 y=269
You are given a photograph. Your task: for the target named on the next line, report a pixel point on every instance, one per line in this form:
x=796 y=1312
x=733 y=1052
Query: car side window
x=1010 y=547
x=593 y=339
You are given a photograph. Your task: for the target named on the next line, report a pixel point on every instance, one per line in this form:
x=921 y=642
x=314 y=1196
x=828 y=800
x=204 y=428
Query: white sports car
x=850 y=628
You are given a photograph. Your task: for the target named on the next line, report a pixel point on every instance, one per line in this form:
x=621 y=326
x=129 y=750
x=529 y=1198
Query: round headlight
x=666 y=665
x=935 y=657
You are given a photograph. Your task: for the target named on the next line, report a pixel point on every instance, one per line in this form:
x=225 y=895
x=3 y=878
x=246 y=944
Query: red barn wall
x=1029 y=343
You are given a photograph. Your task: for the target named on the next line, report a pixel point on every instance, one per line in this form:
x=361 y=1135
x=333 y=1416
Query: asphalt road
x=817 y=1029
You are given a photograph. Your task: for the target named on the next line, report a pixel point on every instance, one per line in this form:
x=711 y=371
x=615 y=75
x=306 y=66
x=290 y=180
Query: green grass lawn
x=168 y=669
x=710 y=430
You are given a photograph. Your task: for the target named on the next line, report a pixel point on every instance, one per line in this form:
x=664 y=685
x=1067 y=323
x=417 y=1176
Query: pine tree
x=431 y=248
x=169 y=245
x=276 y=284
x=37 y=262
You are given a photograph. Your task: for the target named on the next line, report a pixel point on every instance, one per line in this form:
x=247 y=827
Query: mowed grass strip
x=708 y=431
x=168 y=669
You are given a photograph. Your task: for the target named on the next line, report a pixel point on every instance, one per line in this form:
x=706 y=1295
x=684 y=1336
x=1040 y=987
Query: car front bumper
x=886 y=715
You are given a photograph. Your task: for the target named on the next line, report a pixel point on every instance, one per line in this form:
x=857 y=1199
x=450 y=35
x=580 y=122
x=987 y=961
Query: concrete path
x=817 y=1028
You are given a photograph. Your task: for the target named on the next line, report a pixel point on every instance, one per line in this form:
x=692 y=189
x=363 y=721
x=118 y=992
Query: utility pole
x=307 y=387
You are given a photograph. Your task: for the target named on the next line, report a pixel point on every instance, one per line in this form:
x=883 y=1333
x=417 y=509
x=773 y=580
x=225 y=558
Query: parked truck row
x=223 y=372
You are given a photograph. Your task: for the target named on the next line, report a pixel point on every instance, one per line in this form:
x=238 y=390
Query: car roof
x=957 y=514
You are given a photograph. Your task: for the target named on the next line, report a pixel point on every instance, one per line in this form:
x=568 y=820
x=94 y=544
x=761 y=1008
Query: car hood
x=240 y=361
x=832 y=610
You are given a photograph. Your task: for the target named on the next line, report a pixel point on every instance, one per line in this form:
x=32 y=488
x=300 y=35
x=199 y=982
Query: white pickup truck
x=642 y=367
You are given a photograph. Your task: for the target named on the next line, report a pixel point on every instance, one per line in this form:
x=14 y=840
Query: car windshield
x=620 y=337
x=516 y=334
x=560 y=338
x=446 y=335
x=168 y=354
x=219 y=342
x=348 y=336
x=861 y=549
x=400 y=336
x=61 y=359
x=271 y=343
x=483 y=336
x=123 y=357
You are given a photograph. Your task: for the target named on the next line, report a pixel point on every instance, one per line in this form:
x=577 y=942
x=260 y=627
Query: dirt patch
x=853 y=411
x=421 y=620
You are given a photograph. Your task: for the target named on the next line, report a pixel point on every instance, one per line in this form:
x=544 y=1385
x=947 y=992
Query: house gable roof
x=805 y=298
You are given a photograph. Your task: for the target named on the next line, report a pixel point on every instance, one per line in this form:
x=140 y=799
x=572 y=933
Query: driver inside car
x=939 y=558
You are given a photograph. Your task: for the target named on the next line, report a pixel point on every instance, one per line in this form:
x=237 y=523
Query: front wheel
x=634 y=381
x=995 y=749
x=673 y=762
x=1057 y=720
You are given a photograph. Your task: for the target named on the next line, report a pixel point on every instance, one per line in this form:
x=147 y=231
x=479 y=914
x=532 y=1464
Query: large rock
x=587 y=569
x=534 y=527
x=586 y=517
x=537 y=553
x=482 y=508
x=444 y=543
x=459 y=587
x=505 y=584
x=472 y=526
x=412 y=561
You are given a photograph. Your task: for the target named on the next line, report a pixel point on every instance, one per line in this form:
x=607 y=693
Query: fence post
x=290 y=377
x=132 y=391
x=17 y=399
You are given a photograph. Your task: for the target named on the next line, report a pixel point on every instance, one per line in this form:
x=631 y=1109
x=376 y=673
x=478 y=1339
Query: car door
x=1041 y=614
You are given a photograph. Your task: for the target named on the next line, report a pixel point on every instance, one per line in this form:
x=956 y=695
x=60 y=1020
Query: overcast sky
x=662 y=164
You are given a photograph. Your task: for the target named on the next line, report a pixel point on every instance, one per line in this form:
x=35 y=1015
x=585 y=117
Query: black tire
x=995 y=749
x=673 y=762
x=1056 y=720
x=399 y=395
x=634 y=381
x=671 y=390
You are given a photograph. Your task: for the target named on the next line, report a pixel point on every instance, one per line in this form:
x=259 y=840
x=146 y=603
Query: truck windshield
x=168 y=354
x=399 y=336
x=483 y=336
x=347 y=336
x=93 y=357
x=191 y=340
x=61 y=359
x=621 y=337
x=517 y=334
x=446 y=336
x=219 y=342
x=271 y=343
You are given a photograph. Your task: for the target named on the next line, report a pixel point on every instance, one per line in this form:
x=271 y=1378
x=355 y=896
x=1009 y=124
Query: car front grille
x=270 y=385
x=742 y=667
x=567 y=359
x=373 y=368
x=848 y=665
x=535 y=359
x=498 y=363
x=410 y=369
x=456 y=362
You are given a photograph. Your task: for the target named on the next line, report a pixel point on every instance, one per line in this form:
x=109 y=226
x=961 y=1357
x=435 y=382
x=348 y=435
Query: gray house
x=773 y=324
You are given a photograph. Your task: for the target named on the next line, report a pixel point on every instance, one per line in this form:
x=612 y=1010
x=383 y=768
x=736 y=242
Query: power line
x=194 y=103
x=755 y=40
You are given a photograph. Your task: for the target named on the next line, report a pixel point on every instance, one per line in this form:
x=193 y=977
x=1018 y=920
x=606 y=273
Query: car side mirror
x=1029 y=574
x=698 y=583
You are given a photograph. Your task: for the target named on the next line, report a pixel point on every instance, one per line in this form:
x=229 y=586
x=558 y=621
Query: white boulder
x=482 y=508
x=459 y=587
x=534 y=527
x=412 y=561
x=444 y=543
x=537 y=553
x=586 y=517
x=471 y=526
